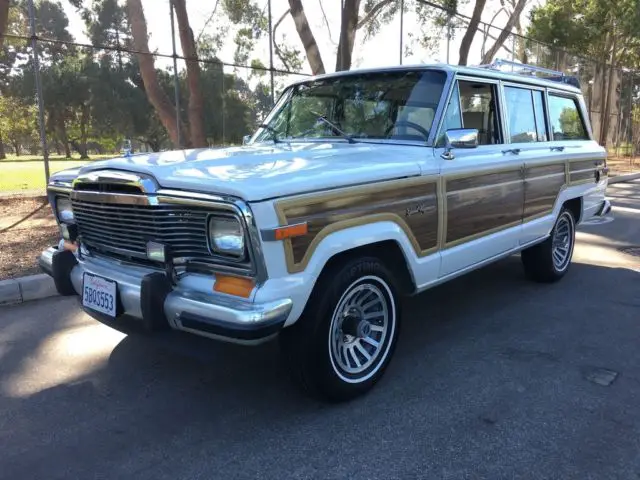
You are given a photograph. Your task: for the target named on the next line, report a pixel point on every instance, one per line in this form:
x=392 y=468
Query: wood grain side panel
x=532 y=171
x=541 y=188
x=480 y=208
x=585 y=176
x=414 y=208
x=585 y=164
x=483 y=180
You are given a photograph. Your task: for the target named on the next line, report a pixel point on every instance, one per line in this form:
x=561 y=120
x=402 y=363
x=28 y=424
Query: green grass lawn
x=27 y=172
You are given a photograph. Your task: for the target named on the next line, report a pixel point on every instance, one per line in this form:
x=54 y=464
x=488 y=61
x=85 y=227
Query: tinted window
x=452 y=115
x=520 y=115
x=399 y=104
x=479 y=111
x=541 y=121
x=566 y=122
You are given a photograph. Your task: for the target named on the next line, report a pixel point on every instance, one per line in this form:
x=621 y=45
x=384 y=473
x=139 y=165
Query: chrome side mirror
x=459 y=138
x=246 y=139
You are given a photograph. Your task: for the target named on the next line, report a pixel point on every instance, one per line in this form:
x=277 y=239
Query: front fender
x=298 y=286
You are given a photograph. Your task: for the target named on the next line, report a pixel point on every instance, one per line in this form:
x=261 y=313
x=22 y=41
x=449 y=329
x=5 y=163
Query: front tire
x=343 y=342
x=549 y=261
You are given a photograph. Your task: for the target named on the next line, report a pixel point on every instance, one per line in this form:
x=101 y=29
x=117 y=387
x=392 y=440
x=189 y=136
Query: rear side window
x=521 y=115
x=566 y=121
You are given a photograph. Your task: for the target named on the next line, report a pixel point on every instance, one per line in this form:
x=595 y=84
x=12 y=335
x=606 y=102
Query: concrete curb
x=24 y=289
x=624 y=178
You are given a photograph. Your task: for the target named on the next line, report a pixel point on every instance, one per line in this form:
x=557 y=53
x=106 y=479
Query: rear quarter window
x=566 y=120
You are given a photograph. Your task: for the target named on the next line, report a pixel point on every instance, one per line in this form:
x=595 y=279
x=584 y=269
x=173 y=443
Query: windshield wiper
x=274 y=133
x=336 y=129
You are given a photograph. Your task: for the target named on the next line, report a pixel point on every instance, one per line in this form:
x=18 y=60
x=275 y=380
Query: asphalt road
x=494 y=377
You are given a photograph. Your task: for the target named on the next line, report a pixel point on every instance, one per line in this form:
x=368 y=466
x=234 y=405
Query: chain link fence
x=88 y=100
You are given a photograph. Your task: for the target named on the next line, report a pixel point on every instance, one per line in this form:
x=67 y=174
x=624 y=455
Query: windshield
x=395 y=105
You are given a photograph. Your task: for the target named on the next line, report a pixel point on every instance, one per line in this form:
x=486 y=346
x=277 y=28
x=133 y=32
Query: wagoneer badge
x=421 y=208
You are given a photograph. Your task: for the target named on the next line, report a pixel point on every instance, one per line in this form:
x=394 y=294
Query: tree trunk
x=16 y=148
x=348 y=27
x=505 y=33
x=84 y=117
x=157 y=97
x=196 y=113
x=604 y=137
x=4 y=19
x=603 y=94
x=306 y=37
x=56 y=145
x=3 y=155
x=467 y=39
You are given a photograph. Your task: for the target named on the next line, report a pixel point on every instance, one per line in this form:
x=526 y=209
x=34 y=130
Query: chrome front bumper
x=188 y=306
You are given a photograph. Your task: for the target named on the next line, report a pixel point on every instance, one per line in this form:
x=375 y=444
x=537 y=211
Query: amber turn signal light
x=291 y=231
x=238 y=286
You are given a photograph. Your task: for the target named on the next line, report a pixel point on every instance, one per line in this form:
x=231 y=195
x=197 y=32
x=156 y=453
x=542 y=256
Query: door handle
x=556 y=149
x=515 y=151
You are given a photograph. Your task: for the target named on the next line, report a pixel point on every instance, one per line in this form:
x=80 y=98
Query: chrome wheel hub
x=359 y=328
x=561 y=242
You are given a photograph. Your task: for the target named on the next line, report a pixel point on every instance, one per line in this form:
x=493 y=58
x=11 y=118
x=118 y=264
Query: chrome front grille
x=118 y=212
x=123 y=230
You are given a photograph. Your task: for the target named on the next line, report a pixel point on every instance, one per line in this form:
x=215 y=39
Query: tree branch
x=504 y=34
x=276 y=47
x=206 y=24
x=373 y=13
x=306 y=37
x=326 y=21
x=4 y=19
x=467 y=39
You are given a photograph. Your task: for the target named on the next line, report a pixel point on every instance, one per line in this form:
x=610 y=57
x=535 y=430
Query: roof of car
x=463 y=70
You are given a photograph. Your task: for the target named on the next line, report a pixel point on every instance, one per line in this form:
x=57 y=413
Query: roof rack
x=526 y=69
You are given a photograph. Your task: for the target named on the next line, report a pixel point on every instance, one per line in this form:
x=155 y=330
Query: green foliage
x=95 y=99
x=17 y=122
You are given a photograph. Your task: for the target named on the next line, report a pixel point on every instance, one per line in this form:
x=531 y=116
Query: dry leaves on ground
x=21 y=244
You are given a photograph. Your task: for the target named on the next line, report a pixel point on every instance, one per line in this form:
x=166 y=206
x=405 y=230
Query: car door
x=544 y=166
x=483 y=190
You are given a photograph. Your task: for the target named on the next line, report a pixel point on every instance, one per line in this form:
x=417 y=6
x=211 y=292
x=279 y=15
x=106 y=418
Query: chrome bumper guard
x=209 y=314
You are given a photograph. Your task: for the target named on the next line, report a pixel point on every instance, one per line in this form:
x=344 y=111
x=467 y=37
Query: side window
x=452 y=116
x=566 y=121
x=521 y=115
x=479 y=110
x=541 y=119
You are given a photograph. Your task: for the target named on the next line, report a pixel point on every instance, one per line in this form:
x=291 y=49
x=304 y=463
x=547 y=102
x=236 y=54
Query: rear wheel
x=549 y=261
x=342 y=344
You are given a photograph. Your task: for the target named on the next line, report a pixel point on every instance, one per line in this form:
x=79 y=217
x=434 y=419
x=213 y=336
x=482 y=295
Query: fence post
x=36 y=72
x=401 y=27
x=176 y=83
x=448 y=34
x=273 y=88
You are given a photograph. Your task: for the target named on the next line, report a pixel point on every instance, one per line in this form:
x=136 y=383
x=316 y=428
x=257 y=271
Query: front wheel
x=549 y=261
x=342 y=344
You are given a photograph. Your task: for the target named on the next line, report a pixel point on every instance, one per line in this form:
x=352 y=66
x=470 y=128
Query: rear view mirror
x=246 y=139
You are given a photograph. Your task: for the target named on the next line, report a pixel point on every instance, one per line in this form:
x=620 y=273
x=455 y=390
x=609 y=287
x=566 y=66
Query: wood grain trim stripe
x=346 y=208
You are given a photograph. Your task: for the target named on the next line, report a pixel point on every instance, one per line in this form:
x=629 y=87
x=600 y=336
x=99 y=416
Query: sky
x=381 y=50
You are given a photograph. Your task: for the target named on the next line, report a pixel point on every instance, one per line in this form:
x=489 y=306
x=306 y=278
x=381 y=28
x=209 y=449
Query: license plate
x=99 y=294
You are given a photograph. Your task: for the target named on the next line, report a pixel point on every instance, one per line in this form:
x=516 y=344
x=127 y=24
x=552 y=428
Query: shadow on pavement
x=488 y=365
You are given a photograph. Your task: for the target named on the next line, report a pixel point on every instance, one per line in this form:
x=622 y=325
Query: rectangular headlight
x=63 y=209
x=226 y=236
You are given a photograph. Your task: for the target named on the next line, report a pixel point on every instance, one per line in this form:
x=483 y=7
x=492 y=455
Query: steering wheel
x=406 y=123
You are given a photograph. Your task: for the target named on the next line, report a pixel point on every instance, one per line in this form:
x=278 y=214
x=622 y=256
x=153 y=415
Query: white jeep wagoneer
x=360 y=187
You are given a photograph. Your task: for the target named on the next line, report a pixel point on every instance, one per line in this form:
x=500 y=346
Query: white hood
x=263 y=171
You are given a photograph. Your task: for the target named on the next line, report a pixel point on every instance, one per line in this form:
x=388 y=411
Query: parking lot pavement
x=494 y=377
